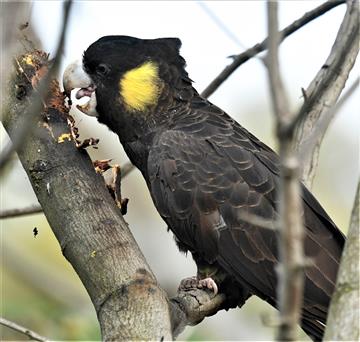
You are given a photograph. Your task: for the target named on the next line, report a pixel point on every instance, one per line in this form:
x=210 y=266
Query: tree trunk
x=92 y=234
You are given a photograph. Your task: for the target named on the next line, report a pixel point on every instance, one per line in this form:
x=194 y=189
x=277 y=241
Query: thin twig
x=259 y=221
x=29 y=333
x=290 y=268
x=5 y=214
x=125 y=171
x=219 y=23
x=42 y=94
x=259 y=47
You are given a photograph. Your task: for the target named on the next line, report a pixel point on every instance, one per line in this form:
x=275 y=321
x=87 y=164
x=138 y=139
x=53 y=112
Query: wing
x=203 y=176
x=206 y=175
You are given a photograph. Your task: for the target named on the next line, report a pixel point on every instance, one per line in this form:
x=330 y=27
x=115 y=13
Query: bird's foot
x=195 y=282
x=208 y=283
x=188 y=283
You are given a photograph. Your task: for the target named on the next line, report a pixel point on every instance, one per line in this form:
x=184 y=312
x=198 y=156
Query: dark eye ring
x=102 y=69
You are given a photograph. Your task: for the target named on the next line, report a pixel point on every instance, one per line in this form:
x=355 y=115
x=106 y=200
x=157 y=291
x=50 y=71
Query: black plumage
x=205 y=172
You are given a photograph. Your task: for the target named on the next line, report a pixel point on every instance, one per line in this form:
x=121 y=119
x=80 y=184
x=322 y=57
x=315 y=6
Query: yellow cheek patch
x=140 y=87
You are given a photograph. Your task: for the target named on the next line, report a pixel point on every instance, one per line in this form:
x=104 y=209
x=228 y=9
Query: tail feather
x=313 y=328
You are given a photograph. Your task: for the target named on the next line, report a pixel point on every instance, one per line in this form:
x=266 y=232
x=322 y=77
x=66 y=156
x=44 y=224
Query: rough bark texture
x=10 y=33
x=191 y=307
x=92 y=234
x=344 y=315
x=326 y=87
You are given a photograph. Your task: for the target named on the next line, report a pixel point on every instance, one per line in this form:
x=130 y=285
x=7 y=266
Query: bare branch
x=290 y=268
x=220 y=24
x=79 y=208
x=326 y=88
x=27 y=332
x=191 y=307
x=324 y=121
x=344 y=313
x=278 y=94
x=35 y=209
x=42 y=93
x=259 y=47
x=259 y=221
x=322 y=94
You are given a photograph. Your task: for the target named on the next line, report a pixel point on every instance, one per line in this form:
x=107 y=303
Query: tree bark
x=344 y=313
x=92 y=234
x=325 y=89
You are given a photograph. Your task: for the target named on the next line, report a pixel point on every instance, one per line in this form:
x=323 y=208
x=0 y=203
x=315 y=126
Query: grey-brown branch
x=11 y=213
x=344 y=313
x=291 y=233
x=22 y=330
x=325 y=89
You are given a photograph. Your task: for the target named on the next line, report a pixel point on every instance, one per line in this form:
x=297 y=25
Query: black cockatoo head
x=126 y=75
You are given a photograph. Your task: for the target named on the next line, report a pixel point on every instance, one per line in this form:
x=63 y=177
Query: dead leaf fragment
x=40 y=73
x=88 y=142
x=102 y=165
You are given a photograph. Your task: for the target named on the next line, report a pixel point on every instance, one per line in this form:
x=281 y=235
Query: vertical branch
x=325 y=89
x=344 y=313
x=290 y=283
x=279 y=97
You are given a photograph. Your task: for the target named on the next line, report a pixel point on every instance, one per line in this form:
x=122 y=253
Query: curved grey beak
x=75 y=77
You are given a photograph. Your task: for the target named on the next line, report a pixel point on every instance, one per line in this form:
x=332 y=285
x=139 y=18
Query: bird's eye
x=102 y=69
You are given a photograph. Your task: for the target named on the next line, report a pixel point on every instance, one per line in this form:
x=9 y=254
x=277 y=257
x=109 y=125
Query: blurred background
x=39 y=288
